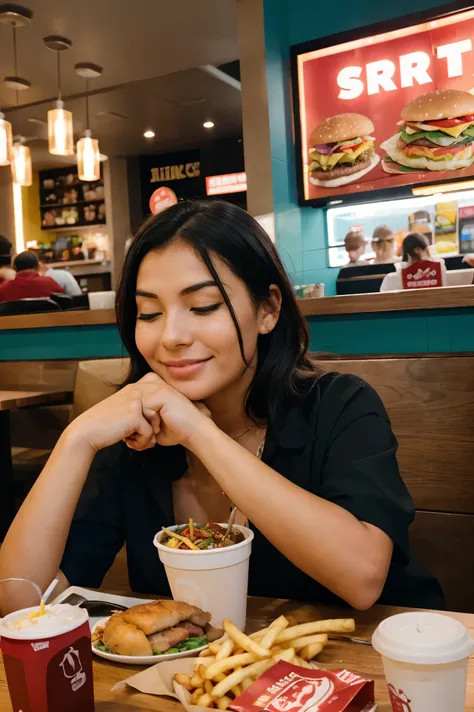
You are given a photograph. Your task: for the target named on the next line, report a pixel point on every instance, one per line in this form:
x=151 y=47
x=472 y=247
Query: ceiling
x=151 y=52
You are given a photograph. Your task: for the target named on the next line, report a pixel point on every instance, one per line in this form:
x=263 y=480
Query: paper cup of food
x=207 y=572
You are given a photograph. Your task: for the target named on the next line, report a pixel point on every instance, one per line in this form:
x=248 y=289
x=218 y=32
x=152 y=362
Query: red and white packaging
x=288 y=688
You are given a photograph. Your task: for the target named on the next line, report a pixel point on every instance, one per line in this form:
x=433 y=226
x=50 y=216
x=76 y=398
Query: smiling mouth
x=186 y=367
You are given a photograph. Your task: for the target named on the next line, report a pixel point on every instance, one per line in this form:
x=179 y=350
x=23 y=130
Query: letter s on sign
x=350 y=84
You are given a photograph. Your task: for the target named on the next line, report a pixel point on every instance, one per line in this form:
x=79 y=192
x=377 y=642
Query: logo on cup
x=399 y=700
x=40 y=646
x=72 y=669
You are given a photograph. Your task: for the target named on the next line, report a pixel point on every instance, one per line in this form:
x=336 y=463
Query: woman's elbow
x=365 y=592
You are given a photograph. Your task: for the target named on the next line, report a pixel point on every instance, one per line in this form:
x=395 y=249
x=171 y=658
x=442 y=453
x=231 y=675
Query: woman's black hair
x=412 y=242
x=222 y=229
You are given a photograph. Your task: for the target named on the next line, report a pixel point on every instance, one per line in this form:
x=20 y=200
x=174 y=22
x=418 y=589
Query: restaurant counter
x=410 y=322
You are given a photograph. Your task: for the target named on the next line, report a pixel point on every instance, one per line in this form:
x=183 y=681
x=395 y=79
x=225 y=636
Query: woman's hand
x=114 y=419
x=143 y=414
x=173 y=417
x=469 y=259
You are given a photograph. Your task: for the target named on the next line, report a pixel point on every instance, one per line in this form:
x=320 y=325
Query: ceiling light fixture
x=15 y=16
x=88 y=154
x=149 y=134
x=6 y=141
x=209 y=124
x=22 y=171
x=60 y=129
x=22 y=174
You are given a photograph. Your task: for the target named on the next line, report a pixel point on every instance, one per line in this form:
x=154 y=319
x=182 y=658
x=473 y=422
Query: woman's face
x=184 y=329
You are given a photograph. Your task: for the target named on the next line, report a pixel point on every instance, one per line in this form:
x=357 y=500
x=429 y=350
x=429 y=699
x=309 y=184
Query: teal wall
x=66 y=342
x=429 y=331
x=300 y=232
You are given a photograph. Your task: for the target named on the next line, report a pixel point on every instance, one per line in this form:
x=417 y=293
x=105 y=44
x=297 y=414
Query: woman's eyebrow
x=186 y=290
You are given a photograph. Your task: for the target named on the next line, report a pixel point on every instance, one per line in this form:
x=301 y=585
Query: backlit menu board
x=385 y=111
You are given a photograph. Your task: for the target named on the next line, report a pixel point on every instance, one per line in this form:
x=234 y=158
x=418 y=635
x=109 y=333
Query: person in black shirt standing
x=223 y=405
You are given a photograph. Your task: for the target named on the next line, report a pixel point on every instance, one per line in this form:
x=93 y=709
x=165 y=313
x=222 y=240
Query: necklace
x=238 y=437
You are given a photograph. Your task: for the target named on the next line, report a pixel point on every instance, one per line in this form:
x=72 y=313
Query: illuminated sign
x=179 y=172
x=225 y=184
x=161 y=199
x=390 y=83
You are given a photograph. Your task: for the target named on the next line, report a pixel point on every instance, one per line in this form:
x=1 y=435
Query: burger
x=156 y=628
x=436 y=134
x=341 y=150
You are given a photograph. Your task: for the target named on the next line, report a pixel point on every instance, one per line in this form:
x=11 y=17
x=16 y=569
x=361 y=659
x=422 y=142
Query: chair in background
x=28 y=306
x=67 y=303
x=362 y=279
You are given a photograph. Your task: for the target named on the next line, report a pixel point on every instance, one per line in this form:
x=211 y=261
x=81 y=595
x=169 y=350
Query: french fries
x=225 y=670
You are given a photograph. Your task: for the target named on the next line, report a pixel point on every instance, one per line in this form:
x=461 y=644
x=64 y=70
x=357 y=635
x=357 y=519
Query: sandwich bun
x=441 y=104
x=346 y=179
x=125 y=639
x=421 y=163
x=125 y=633
x=341 y=127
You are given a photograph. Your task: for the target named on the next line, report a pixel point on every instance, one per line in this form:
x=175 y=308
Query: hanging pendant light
x=60 y=128
x=6 y=142
x=22 y=171
x=88 y=153
x=16 y=17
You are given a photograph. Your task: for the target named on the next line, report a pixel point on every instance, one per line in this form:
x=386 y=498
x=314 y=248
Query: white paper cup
x=215 y=580
x=425 y=658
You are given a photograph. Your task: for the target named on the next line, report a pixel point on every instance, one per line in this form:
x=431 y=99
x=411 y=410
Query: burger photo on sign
x=436 y=134
x=342 y=150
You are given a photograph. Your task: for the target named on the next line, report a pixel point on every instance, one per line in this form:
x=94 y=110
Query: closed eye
x=202 y=311
x=148 y=317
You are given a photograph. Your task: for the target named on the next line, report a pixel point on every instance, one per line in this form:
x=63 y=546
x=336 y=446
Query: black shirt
x=337 y=443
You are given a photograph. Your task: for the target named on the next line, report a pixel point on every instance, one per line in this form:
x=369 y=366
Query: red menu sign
x=422 y=274
x=390 y=110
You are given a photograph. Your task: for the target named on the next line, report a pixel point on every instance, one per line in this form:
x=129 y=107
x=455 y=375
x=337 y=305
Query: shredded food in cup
x=199 y=537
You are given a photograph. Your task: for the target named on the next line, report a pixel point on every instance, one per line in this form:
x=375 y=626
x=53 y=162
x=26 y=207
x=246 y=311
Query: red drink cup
x=48 y=660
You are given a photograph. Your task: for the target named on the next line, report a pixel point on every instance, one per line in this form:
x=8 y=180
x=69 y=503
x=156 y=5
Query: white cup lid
x=423 y=638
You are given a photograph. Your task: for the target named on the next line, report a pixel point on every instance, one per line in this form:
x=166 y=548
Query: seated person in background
x=63 y=277
x=77 y=253
x=6 y=272
x=354 y=242
x=28 y=282
x=383 y=244
x=415 y=248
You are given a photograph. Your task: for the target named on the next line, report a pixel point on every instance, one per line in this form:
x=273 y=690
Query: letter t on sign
x=453 y=53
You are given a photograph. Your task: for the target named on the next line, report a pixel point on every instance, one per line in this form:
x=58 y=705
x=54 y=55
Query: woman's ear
x=269 y=310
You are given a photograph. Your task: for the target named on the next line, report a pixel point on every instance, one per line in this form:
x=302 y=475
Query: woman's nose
x=175 y=332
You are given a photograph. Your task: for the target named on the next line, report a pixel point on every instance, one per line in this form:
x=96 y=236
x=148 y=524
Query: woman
x=383 y=244
x=415 y=248
x=222 y=405
x=354 y=242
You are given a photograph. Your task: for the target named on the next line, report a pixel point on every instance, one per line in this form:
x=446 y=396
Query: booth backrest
x=96 y=380
x=430 y=402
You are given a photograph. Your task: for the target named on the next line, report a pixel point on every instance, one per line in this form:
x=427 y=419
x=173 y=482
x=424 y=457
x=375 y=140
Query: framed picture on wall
x=381 y=110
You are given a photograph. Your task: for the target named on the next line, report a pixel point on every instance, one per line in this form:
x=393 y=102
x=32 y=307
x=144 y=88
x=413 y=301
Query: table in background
x=10 y=399
x=360 y=659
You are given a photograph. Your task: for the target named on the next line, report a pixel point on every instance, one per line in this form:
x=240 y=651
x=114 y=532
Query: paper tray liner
x=158 y=680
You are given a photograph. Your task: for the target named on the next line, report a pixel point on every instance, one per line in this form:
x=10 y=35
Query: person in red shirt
x=28 y=282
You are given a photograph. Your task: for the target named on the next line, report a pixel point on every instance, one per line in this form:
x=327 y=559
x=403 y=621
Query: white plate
x=142 y=659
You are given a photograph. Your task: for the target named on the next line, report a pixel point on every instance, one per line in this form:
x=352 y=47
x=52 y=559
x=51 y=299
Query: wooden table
x=360 y=659
x=10 y=399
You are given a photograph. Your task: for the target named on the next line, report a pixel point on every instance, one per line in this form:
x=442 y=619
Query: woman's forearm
x=34 y=545
x=325 y=541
